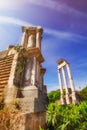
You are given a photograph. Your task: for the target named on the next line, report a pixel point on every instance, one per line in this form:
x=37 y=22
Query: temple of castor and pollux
x=22 y=79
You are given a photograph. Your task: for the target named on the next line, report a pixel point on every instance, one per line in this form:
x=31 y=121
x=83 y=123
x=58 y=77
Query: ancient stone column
x=28 y=70
x=31 y=41
x=61 y=87
x=66 y=86
x=42 y=72
x=23 y=39
x=71 y=84
x=38 y=73
x=38 y=37
x=33 y=75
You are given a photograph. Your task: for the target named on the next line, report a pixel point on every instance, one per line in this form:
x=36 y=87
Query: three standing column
x=70 y=93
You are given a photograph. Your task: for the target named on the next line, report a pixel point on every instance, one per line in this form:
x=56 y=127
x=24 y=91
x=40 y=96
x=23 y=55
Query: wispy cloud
x=66 y=35
x=11 y=4
x=56 y=33
x=58 y=6
x=11 y=20
x=51 y=4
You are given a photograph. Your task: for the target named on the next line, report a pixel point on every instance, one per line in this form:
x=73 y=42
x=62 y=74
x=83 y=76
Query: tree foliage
x=83 y=93
x=70 y=117
x=53 y=96
x=67 y=117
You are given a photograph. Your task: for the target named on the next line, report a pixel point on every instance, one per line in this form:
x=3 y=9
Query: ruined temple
x=22 y=79
x=69 y=94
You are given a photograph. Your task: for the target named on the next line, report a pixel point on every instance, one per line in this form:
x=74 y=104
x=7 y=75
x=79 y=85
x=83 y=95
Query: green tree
x=83 y=93
x=53 y=96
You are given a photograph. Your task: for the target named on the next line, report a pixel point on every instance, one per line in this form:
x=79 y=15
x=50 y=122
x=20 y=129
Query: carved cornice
x=32 y=51
x=32 y=30
x=43 y=70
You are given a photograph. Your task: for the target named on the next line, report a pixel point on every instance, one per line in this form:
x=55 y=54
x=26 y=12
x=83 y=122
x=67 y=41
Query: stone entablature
x=32 y=36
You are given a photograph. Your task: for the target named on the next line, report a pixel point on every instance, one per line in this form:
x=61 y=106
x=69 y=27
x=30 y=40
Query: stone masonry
x=22 y=77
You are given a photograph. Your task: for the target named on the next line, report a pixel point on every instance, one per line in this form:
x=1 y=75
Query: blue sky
x=65 y=33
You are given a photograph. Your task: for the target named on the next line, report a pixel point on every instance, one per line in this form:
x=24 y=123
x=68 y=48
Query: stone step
x=1 y=90
x=5 y=73
x=1 y=94
x=3 y=82
x=5 y=69
x=5 y=63
x=4 y=78
x=10 y=57
x=2 y=86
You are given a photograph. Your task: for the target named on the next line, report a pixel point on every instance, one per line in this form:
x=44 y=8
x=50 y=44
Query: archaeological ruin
x=22 y=79
x=70 y=93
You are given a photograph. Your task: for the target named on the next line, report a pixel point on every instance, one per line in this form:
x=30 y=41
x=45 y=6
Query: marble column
x=41 y=81
x=38 y=39
x=23 y=39
x=33 y=75
x=66 y=86
x=28 y=70
x=31 y=41
x=61 y=87
x=38 y=73
x=71 y=84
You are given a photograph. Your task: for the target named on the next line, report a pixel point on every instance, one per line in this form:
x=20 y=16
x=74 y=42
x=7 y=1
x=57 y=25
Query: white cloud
x=11 y=20
x=55 y=5
x=58 y=6
x=9 y=4
x=56 y=33
x=65 y=35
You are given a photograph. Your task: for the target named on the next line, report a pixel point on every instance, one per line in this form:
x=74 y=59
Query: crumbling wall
x=21 y=121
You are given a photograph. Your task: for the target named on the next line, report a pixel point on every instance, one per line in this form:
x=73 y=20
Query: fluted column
x=23 y=39
x=66 y=86
x=71 y=84
x=61 y=87
x=38 y=40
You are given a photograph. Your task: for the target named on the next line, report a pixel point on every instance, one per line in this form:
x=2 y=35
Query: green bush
x=53 y=96
x=70 y=117
x=83 y=93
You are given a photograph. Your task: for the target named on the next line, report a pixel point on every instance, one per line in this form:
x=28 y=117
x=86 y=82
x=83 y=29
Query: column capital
x=39 y=29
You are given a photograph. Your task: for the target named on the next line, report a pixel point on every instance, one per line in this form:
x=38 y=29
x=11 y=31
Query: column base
x=67 y=99
x=62 y=100
x=74 y=98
